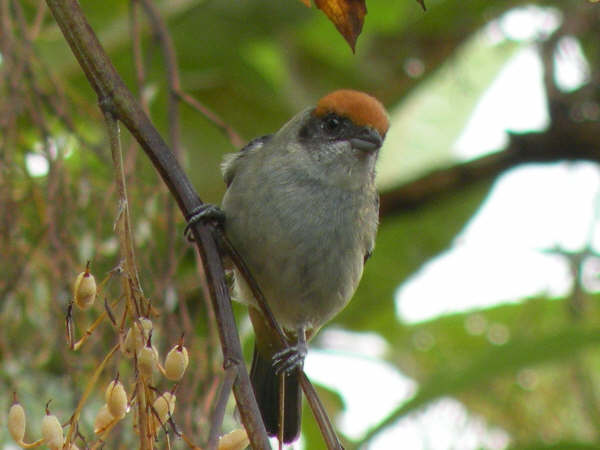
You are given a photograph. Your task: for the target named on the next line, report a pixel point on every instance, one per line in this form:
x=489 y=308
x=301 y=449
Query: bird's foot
x=203 y=213
x=290 y=359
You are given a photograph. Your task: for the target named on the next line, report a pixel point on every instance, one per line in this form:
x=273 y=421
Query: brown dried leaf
x=347 y=16
x=306 y=2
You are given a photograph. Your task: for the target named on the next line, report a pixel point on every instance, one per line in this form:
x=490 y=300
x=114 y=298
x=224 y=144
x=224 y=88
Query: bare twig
x=88 y=390
x=174 y=126
x=138 y=60
x=256 y=292
x=219 y=411
x=212 y=334
x=131 y=283
x=327 y=430
x=175 y=92
x=123 y=219
x=170 y=59
x=235 y=138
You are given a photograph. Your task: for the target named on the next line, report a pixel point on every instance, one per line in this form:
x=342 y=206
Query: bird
x=301 y=209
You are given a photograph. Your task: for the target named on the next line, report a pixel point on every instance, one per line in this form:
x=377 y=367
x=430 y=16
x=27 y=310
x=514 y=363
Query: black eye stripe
x=332 y=123
x=330 y=126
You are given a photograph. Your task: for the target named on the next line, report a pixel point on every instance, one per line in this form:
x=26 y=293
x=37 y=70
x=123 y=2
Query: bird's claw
x=290 y=358
x=203 y=213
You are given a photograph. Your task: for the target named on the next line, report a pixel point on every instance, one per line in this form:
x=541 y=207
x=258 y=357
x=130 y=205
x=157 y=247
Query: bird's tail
x=266 y=389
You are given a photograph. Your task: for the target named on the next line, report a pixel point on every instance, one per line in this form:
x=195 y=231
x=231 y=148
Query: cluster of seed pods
x=136 y=344
x=52 y=431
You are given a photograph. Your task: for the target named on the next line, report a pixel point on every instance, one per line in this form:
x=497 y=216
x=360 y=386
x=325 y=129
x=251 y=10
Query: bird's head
x=342 y=134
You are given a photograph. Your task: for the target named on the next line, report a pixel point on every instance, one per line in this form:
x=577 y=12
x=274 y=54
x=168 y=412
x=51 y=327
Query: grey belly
x=307 y=267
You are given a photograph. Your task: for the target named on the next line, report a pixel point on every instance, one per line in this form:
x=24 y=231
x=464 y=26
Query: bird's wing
x=230 y=162
x=370 y=250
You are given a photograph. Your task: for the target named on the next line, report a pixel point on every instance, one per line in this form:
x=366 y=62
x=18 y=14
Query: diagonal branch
x=117 y=99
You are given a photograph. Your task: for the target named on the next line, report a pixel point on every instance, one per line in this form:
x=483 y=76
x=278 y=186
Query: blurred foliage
x=254 y=63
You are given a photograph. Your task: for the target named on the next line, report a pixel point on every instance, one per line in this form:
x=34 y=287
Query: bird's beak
x=367 y=140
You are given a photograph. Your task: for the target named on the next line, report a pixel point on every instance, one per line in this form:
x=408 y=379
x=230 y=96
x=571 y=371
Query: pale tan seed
x=176 y=362
x=136 y=338
x=147 y=361
x=52 y=432
x=85 y=290
x=103 y=419
x=234 y=440
x=116 y=399
x=164 y=407
x=16 y=422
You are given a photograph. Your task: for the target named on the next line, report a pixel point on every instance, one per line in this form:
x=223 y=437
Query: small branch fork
x=119 y=104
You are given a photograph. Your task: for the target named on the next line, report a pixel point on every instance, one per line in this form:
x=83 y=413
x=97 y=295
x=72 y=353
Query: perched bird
x=302 y=210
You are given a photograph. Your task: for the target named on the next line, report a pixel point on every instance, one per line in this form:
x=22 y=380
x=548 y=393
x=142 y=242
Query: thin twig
x=255 y=288
x=170 y=59
x=235 y=138
x=138 y=60
x=219 y=411
x=212 y=332
x=327 y=430
x=159 y=28
x=123 y=220
x=131 y=283
x=88 y=390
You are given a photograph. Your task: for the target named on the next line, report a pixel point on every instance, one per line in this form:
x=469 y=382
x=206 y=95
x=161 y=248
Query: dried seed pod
x=234 y=440
x=103 y=419
x=85 y=289
x=147 y=360
x=116 y=399
x=146 y=328
x=136 y=338
x=164 y=406
x=16 y=422
x=176 y=362
x=128 y=344
x=52 y=431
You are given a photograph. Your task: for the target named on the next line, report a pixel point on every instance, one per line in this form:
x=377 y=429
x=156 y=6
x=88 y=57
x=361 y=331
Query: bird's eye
x=332 y=123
